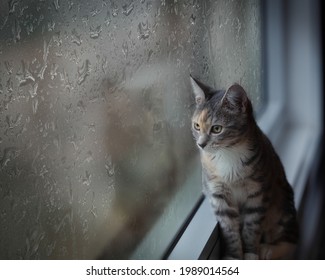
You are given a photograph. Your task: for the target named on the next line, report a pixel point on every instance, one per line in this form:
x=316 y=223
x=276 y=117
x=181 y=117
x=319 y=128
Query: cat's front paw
x=229 y=258
x=265 y=252
x=250 y=256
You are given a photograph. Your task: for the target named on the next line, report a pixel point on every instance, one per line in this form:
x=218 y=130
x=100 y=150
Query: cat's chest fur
x=228 y=164
x=225 y=171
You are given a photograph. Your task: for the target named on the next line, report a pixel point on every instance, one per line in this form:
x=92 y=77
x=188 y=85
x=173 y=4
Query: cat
x=243 y=177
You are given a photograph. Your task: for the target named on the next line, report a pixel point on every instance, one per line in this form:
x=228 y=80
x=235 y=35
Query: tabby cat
x=243 y=177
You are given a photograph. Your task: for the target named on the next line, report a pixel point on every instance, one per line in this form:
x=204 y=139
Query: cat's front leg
x=251 y=231
x=230 y=233
x=228 y=218
x=227 y=215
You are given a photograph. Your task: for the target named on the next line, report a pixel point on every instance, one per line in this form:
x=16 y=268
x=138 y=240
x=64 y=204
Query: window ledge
x=197 y=234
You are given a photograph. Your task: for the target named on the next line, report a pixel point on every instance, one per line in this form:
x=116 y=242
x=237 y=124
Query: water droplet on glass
x=95 y=12
x=192 y=19
x=9 y=154
x=110 y=169
x=56 y=142
x=35 y=105
x=29 y=28
x=25 y=77
x=95 y=32
x=108 y=19
x=33 y=90
x=86 y=180
x=54 y=70
x=9 y=67
x=114 y=10
x=56 y=4
x=89 y=157
x=10 y=85
x=143 y=29
x=16 y=30
x=50 y=26
x=127 y=9
x=46 y=49
x=81 y=105
x=76 y=38
x=83 y=72
x=85 y=20
x=13 y=122
x=125 y=48
x=12 y=6
x=149 y=55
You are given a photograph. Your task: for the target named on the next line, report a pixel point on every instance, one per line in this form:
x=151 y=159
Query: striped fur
x=243 y=177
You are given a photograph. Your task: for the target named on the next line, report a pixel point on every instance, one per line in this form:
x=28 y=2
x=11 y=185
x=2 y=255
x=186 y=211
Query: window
x=96 y=157
x=291 y=117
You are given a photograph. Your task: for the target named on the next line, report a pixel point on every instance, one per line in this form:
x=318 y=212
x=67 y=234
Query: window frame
x=293 y=124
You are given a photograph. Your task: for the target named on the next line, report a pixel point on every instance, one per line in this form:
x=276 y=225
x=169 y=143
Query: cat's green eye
x=196 y=126
x=216 y=129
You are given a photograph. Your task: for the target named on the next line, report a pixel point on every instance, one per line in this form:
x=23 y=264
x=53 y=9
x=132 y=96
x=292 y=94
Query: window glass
x=96 y=154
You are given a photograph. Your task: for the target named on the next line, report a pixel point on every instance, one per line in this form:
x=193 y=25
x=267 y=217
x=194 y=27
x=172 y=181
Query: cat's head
x=222 y=118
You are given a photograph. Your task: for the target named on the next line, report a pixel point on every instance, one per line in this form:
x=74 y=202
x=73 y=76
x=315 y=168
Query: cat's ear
x=198 y=91
x=236 y=98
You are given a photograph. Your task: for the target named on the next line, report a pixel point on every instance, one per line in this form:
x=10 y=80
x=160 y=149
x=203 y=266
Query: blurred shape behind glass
x=96 y=154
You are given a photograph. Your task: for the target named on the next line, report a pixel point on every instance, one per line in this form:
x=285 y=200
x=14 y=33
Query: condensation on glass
x=96 y=154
